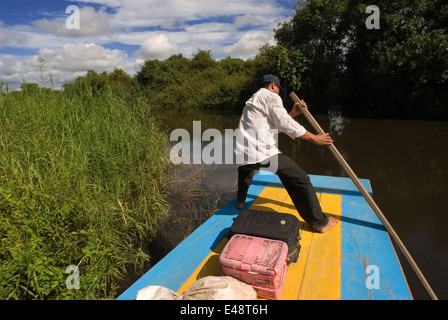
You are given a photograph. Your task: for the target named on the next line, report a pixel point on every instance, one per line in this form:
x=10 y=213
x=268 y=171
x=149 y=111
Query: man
x=263 y=117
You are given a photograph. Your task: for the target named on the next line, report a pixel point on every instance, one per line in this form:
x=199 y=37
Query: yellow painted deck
x=317 y=273
x=331 y=266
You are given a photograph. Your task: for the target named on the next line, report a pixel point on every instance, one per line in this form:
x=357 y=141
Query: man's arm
x=320 y=139
x=317 y=139
x=296 y=111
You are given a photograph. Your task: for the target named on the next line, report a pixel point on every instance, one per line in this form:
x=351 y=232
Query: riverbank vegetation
x=397 y=70
x=329 y=55
x=83 y=170
x=80 y=179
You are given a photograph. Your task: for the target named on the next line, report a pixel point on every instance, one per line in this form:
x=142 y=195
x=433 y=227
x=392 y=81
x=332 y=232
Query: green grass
x=81 y=183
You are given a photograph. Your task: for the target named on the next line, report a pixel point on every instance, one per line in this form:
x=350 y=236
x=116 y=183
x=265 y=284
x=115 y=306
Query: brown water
x=406 y=162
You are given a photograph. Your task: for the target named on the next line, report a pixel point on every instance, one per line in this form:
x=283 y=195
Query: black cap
x=270 y=78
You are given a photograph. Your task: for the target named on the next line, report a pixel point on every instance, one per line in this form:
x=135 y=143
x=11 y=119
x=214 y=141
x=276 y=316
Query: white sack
x=208 y=288
x=220 y=288
x=157 y=293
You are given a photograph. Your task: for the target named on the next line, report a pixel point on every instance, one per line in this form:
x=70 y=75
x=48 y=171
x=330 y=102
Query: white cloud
x=155 y=29
x=92 y=22
x=249 y=43
x=64 y=64
x=241 y=21
x=11 y=37
x=220 y=26
x=74 y=60
x=16 y=70
x=83 y=56
x=9 y=66
x=137 y=13
x=157 y=47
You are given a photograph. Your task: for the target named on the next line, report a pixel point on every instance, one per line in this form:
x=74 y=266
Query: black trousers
x=297 y=184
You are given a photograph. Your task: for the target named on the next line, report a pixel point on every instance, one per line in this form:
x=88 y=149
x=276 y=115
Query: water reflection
x=337 y=122
x=406 y=162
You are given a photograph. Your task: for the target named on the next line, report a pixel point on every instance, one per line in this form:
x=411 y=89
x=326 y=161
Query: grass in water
x=190 y=205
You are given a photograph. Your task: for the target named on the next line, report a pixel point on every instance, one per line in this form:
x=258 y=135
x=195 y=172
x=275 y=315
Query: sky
x=102 y=35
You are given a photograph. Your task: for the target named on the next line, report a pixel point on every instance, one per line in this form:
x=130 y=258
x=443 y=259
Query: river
x=405 y=161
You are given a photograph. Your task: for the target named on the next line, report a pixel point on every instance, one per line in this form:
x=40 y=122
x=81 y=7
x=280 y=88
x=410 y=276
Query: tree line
x=327 y=54
x=398 y=70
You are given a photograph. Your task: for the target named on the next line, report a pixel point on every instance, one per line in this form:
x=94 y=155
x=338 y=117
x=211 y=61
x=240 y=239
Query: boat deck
x=354 y=261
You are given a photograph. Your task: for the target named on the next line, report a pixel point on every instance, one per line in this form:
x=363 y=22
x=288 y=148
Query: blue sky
x=124 y=33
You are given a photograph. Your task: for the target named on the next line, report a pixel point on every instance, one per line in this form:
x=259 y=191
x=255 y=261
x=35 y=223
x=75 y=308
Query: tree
x=288 y=64
x=391 y=71
x=403 y=65
x=200 y=82
x=29 y=87
x=317 y=31
x=202 y=60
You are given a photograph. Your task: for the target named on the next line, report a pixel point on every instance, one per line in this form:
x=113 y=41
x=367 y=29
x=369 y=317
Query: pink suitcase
x=259 y=262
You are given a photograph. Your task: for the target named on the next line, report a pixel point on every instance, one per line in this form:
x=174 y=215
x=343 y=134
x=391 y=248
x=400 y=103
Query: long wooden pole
x=367 y=196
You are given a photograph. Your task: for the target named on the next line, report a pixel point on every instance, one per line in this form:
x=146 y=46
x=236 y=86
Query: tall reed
x=81 y=183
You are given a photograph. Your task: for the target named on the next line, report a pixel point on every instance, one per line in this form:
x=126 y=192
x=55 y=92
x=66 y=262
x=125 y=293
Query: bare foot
x=240 y=205
x=331 y=224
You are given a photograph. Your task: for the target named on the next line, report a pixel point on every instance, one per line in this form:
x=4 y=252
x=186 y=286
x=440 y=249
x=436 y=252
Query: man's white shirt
x=263 y=117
